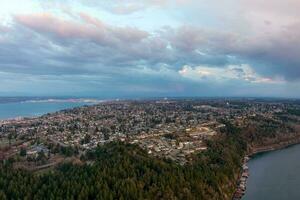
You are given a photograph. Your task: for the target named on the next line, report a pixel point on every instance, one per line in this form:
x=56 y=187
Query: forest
x=124 y=171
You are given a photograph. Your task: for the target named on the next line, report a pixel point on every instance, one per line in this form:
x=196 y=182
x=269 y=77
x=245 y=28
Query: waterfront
x=32 y=109
x=274 y=175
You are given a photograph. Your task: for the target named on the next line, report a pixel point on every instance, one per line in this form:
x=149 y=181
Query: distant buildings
x=174 y=129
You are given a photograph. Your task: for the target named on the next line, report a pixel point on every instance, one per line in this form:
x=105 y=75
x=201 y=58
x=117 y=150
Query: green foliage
x=261 y=129
x=23 y=152
x=68 y=151
x=294 y=112
x=86 y=139
x=123 y=171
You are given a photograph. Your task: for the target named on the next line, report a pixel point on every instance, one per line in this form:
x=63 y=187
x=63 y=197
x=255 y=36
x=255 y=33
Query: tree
x=124 y=171
x=10 y=137
x=2 y=195
x=23 y=152
x=41 y=157
x=86 y=139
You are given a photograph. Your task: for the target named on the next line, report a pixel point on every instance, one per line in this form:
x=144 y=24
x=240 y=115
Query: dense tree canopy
x=123 y=171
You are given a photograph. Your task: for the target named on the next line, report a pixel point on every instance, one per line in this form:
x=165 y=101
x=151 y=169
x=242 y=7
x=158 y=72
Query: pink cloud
x=89 y=28
x=4 y=29
x=91 y=20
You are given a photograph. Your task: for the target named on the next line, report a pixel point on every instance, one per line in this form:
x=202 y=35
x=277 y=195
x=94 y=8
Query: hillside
x=123 y=171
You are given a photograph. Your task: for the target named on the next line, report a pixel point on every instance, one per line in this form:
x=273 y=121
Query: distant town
x=165 y=128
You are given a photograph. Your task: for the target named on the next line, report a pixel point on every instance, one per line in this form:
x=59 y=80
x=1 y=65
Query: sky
x=150 y=48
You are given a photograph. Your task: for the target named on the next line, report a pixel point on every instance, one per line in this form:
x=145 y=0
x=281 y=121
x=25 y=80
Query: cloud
x=93 y=29
x=271 y=54
x=276 y=54
x=49 y=45
x=85 y=44
x=130 y=6
x=242 y=72
x=70 y=46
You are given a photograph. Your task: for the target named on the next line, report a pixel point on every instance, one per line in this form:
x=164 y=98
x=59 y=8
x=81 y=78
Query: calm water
x=275 y=175
x=29 y=109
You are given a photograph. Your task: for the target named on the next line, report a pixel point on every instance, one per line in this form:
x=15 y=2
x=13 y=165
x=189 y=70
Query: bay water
x=275 y=175
x=33 y=109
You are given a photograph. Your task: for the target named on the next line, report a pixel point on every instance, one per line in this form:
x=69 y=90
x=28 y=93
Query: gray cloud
x=88 y=53
x=51 y=45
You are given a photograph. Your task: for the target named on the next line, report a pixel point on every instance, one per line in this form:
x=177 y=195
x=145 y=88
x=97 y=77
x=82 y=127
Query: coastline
x=241 y=189
x=22 y=116
x=273 y=147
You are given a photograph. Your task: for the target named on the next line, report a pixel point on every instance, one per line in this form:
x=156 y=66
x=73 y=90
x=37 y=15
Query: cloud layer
x=119 y=52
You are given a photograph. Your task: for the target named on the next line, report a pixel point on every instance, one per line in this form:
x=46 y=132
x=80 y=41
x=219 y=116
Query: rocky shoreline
x=273 y=147
x=241 y=183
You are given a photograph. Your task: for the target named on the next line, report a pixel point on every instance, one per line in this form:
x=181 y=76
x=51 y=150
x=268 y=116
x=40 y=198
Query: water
x=32 y=109
x=275 y=175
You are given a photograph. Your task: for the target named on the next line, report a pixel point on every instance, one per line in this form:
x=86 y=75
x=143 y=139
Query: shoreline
x=242 y=180
x=20 y=118
x=273 y=147
x=244 y=174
